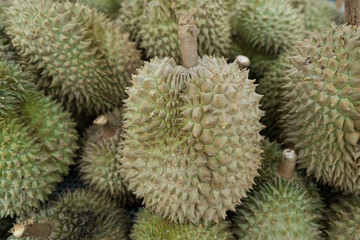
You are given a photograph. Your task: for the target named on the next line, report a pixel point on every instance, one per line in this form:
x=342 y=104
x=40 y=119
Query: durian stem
x=107 y=131
x=187 y=33
x=287 y=167
x=31 y=229
x=352 y=12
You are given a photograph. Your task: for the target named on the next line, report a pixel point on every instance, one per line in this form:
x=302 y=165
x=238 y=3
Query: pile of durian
x=210 y=119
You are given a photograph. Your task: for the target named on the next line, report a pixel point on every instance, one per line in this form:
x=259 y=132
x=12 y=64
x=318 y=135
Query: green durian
x=99 y=164
x=83 y=58
x=281 y=210
x=81 y=214
x=268 y=26
x=150 y=225
x=37 y=143
x=320 y=109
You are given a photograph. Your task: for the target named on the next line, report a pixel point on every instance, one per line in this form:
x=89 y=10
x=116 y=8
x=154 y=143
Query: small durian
x=81 y=214
x=321 y=106
x=83 y=58
x=192 y=142
x=99 y=165
x=150 y=226
x=37 y=142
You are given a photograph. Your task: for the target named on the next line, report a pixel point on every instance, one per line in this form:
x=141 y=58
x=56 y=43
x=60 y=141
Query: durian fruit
x=81 y=214
x=37 y=143
x=192 y=142
x=99 y=164
x=83 y=58
x=158 y=27
x=321 y=106
x=150 y=225
x=268 y=26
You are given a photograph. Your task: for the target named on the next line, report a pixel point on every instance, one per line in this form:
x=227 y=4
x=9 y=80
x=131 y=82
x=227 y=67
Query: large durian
x=192 y=143
x=37 y=142
x=83 y=58
x=99 y=164
x=81 y=214
x=321 y=106
x=150 y=225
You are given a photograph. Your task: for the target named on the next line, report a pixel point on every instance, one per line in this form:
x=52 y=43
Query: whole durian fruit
x=81 y=214
x=321 y=106
x=37 y=143
x=83 y=58
x=99 y=163
x=192 y=142
x=150 y=225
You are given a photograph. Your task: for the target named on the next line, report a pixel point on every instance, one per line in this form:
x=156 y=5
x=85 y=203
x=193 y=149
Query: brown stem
x=352 y=12
x=287 y=167
x=107 y=131
x=187 y=33
x=243 y=61
x=41 y=230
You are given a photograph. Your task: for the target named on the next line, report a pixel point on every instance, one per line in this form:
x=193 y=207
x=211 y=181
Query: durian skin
x=279 y=210
x=83 y=58
x=321 y=106
x=192 y=143
x=100 y=166
x=82 y=214
x=150 y=225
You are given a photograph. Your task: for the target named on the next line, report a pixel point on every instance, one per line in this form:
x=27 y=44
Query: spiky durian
x=83 y=58
x=99 y=164
x=321 y=106
x=268 y=26
x=81 y=214
x=150 y=225
x=37 y=142
x=280 y=209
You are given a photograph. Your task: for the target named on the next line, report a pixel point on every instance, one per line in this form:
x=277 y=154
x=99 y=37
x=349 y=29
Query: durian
x=37 y=143
x=81 y=214
x=192 y=143
x=99 y=164
x=320 y=110
x=83 y=58
x=151 y=226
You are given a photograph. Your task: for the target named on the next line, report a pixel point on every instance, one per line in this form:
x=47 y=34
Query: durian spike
x=187 y=33
x=287 y=167
x=107 y=131
x=243 y=61
x=352 y=12
x=29 y=228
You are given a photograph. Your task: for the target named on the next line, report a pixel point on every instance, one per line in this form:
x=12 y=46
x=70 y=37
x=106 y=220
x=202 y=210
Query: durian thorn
x=107 y=131
x=29 y=228
x=187 y=33
x=352 y=12
x=287 y=166
x=243 y=61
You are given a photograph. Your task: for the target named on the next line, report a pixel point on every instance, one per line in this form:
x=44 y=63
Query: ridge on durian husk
x=38 y=142
x=150 y=225
x=81 y=214
x=197 y=155
x=320 y=110
x=99 y=165
x=280 y=209
x=83 y=58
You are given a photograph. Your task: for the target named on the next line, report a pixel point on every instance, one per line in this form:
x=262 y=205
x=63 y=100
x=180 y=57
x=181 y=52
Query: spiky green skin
x=279 y=210
x=192 y=143
x=83 y=58
x=345 y=219
x=321 y=110
x=100 y=165
x=38 y=143
x=82 y=214
x=268 y=26
x=150 y=225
